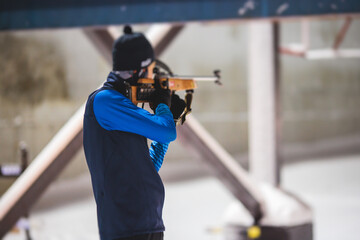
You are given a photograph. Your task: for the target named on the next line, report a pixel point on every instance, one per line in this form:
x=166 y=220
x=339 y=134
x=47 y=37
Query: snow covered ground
x=194 y=208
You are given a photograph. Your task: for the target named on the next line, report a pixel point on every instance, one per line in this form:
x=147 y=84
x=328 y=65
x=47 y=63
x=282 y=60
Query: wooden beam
x=27 y=189
x=341 y=35
x=194 y=137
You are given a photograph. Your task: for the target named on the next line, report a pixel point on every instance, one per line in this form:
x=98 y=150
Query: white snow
x=195 y=209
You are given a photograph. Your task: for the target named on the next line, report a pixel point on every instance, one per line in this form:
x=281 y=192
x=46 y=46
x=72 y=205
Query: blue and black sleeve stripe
x=157 y=153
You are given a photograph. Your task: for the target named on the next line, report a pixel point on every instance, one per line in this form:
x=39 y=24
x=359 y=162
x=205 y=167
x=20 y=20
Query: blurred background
x=47 y=74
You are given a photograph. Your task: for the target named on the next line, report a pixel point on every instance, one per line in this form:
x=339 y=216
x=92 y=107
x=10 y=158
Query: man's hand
x=161 y=96
x=177 y=106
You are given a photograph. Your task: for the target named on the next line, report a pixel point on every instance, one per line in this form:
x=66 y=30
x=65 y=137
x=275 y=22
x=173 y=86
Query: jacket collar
x=116 y=82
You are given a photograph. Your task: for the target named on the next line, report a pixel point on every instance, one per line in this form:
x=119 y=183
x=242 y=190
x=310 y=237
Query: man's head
x=132 y=51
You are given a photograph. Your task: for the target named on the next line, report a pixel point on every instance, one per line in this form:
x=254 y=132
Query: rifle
x=164 y=78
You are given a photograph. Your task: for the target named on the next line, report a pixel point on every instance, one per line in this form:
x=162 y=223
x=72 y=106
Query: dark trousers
x=148 y=236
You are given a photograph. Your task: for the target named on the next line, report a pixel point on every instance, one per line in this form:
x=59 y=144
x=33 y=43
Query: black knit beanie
x=131 y=51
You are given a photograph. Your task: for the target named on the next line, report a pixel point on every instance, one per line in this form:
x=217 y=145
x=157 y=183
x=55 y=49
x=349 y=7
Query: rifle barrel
x=199 y=78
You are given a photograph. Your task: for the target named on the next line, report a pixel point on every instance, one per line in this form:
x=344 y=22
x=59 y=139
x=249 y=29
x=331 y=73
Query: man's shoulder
x=112 y=99
x=102 y=96
x=108 y=96
x=107 y=93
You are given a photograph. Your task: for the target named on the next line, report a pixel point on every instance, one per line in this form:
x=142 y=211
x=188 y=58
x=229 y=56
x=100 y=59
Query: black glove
x=161 y=96
x=177 y=106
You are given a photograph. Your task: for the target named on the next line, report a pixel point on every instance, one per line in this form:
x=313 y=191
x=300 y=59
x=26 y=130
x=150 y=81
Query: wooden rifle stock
x=143 y=91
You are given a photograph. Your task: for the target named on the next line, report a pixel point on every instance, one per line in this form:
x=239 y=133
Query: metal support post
x=264 y=134
x=264 y=102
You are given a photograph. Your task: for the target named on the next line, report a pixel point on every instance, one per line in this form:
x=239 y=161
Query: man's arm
x=158 y=150
x=113 y=111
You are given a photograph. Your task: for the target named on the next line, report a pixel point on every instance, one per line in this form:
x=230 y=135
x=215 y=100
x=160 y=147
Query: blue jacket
x=128 y=191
